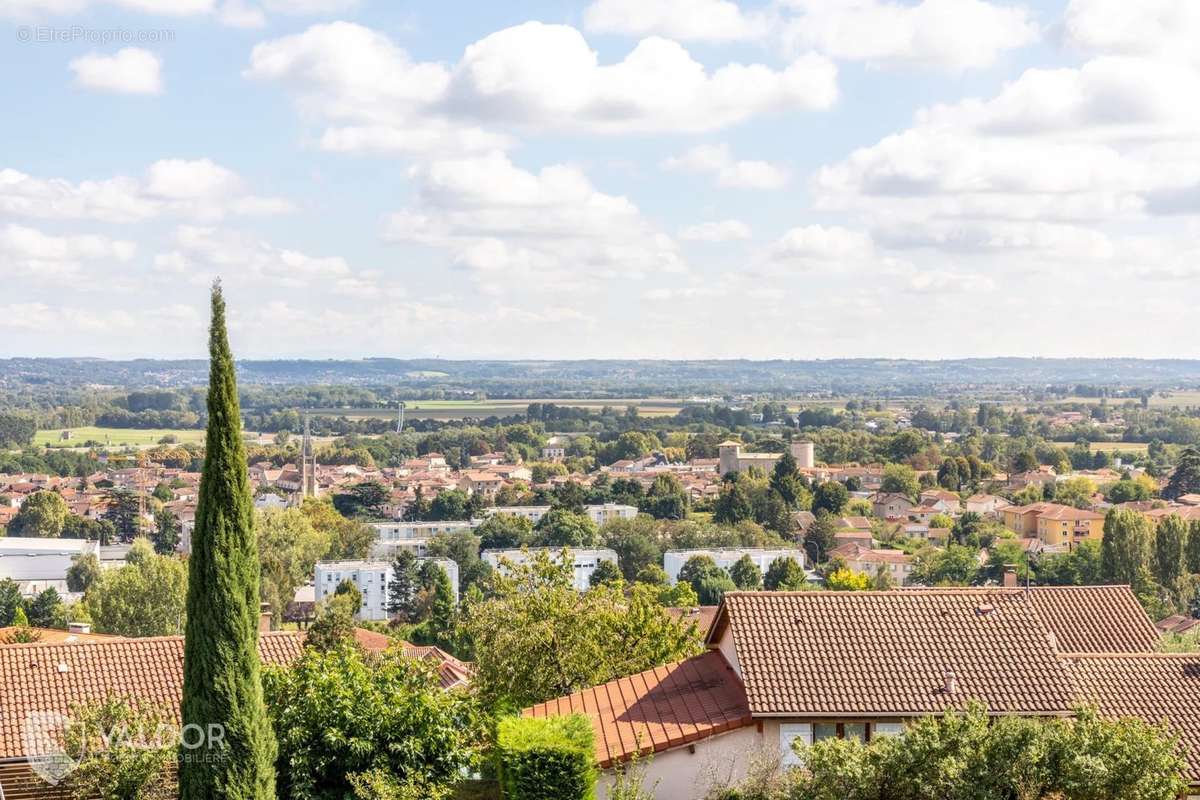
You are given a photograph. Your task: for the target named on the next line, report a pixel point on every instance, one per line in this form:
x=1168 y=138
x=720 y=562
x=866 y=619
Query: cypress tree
x=221 y=684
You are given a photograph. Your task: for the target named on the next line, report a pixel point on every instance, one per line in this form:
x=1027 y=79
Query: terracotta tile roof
x=846 y=653
x=658 y=709
x=55 y=677
x=1095 y=619
x=1155 y=687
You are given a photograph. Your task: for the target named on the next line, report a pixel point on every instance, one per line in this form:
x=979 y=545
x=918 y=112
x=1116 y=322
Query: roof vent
x=950 y=685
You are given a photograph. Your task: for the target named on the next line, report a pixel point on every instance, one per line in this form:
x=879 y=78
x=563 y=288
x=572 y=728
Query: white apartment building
x=726 y=557
x=371 y=578
x=585 y=561
x=599 y=514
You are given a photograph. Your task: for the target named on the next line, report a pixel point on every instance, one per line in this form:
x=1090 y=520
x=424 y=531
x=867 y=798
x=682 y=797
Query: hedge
x=546 y=759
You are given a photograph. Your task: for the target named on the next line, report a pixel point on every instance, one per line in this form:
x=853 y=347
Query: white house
x=371 y=578
x=585 y=561
x=726 y=557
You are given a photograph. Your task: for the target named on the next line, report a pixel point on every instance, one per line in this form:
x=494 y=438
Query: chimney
x=264 y=617
x=951 y=683
x=1010 y=579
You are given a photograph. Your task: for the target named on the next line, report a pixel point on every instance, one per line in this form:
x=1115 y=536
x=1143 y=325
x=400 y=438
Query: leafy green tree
x=504 y=532
x=733 y=503
x=900 y=479
x=534 y=637
x=745 y=574
x=1193 y=547
x=220 y=666
x=10 y=601
x=846 y=580
x=954 y=566
x=42 y=515
x=403 y=586
x=606 y=573
x=334 y=624
x=970 y=756
x=785 y=574
x=1169 y=557
x=1125 y=548
x=830 y=497
x=559 y=527
x=712 y=587
x=167 y=531
x=1186 y=477
x=636 y=543
x=83 y=572
x=146 y=597
x=46 y=609
x=289 y=547
x=339 y=719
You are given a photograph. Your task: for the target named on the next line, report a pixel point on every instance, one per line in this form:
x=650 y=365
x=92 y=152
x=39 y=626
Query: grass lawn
x=115 y=437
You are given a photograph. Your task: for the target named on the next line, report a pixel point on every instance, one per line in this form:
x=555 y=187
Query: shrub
x=546 y=759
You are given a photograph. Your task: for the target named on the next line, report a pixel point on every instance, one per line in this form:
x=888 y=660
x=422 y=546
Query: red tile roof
x=658 y=709
x=55 y=677
x=847 y=653
x=1155 y=687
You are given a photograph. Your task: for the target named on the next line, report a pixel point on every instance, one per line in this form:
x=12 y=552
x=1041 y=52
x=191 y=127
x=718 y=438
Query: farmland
x=114 y=437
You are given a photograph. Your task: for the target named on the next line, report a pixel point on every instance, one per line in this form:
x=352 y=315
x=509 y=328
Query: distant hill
x=625 y=378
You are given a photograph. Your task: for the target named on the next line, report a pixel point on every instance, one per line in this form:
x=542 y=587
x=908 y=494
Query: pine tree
x=221 y=687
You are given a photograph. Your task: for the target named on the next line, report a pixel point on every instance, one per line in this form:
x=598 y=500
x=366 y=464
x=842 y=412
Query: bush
x=546 y=759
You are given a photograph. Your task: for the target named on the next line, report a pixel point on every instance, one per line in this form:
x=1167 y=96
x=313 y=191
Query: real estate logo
x=47 y=758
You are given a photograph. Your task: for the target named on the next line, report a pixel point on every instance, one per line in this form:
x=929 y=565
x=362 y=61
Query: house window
x=790 y=733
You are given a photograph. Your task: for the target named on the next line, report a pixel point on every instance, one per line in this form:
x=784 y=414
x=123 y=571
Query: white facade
x=673 y=560
x=371 y=578
x=585 y=561
x=599 y=514
x=35 y=559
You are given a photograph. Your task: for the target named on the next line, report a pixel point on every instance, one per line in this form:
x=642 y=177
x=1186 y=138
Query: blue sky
x=611 y=178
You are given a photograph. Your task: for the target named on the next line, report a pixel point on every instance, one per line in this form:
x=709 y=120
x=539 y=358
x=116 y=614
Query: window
x=886 y=729
x=789 y=733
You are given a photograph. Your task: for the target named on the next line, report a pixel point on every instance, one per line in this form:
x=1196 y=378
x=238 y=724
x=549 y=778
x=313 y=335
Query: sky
x=601 y=179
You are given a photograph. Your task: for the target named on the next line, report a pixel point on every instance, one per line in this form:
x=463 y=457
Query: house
x=988 y=505
x=948 y=502
x=54 y=678
x=783 y=667
x=1064 y=525
x=897 y=564
x=1022 y=520
x=890 y=505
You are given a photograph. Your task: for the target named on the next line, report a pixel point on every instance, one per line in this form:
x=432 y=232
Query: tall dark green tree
x=222 y=692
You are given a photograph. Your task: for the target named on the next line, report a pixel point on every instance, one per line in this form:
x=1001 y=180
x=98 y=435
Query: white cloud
x=533 y=77
x=41 y=255
x=822 y=246
x=725 y=230
x=198 y=189
x=952 y=34
x=1155 y=28
x=130 y=70
x=717 y=160
x=685 y=20
x=494 y=218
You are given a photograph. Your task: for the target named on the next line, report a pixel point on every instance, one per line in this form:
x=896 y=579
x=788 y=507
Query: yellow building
x=1064 y=525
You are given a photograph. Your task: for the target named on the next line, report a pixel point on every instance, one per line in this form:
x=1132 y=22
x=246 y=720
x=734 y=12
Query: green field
x=114 y=437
